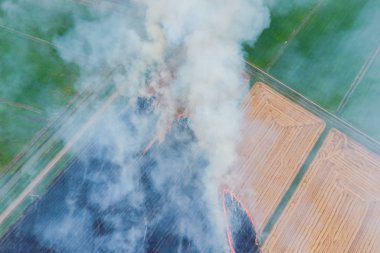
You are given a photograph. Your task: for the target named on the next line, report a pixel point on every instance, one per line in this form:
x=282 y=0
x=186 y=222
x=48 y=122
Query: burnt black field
x=163 y=212
x=244 y=237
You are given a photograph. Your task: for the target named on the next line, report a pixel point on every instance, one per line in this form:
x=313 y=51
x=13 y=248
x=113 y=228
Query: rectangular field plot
x=337 y=205
x=278 y=136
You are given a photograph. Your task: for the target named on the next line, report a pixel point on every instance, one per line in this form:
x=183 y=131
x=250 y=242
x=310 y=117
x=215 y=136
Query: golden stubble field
x=336 y=207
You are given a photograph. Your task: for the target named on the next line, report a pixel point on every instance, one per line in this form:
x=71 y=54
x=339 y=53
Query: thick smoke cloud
x=151 y=177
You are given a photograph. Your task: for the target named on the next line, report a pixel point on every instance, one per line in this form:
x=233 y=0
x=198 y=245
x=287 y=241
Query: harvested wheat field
x=337 y=205
x=278 y=136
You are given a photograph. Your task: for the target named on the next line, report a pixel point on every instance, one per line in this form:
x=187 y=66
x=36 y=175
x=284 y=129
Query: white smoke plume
x=181 y=57
x=188 y=55
x=192 y=51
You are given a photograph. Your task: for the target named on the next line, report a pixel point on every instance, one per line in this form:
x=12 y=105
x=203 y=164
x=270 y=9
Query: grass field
x=326 y=50
x=35 y=83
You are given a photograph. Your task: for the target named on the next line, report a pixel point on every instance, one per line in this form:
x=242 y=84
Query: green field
x=321 y=49
x=35 y=83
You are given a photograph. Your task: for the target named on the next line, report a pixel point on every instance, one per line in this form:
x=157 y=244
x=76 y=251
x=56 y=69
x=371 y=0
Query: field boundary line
x=293 y=34
x=21 y=106
x=358 y=78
